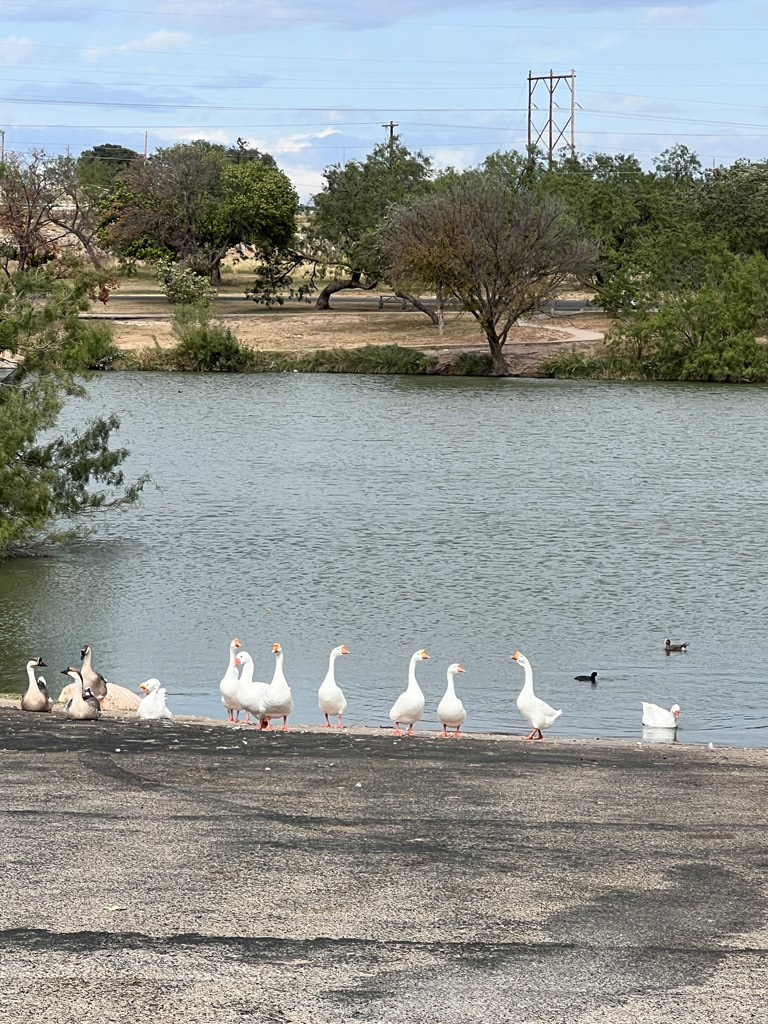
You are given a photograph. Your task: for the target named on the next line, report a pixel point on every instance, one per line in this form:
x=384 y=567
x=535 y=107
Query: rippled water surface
x=581 y=523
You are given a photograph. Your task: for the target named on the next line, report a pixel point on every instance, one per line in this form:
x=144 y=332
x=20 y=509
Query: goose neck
x=412 y=681
x=528 y=681
x=278 y=676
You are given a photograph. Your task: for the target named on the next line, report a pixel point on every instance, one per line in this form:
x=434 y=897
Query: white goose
x=276 y=702
x=36 y=698
x=83 y=706
x=152 y=705
x=450 y=710
x=229 y=683
x=248 y=693
x=536 y=711
x=409 y=706
x=660 y=718
x=330 y=697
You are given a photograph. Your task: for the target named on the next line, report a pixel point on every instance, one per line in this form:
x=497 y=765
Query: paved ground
x=180 y=872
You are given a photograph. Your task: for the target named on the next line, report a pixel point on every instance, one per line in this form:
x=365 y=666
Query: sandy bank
x=187 y=871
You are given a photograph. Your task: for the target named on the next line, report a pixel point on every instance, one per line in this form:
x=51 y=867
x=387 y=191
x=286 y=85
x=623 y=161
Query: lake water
x=579 y=522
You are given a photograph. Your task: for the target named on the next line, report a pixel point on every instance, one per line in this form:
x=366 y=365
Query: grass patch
x=208 y=357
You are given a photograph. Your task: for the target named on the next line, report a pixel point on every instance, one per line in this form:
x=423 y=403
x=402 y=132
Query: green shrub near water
x=205 y=344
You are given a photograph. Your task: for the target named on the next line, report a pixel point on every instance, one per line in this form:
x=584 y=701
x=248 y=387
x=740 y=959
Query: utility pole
x=555 y=128
x=2 y=145
x=390 y=126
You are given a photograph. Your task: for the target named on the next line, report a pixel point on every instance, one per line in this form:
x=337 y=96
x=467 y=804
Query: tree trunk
x=499 y=367
x=418 y=304
x=324 y=298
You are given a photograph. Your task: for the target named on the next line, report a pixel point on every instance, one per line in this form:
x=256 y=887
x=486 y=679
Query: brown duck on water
x=670 y=648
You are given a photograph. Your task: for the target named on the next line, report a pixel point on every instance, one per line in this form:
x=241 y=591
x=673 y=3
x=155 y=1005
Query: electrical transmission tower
x=552 y=122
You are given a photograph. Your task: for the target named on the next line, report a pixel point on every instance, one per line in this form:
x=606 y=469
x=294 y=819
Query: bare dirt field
x=306 y=330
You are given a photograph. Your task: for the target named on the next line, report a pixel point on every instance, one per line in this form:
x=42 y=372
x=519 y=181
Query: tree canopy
x=500 y=253
x=48 y=479
x=351 y=207
x=192 y=203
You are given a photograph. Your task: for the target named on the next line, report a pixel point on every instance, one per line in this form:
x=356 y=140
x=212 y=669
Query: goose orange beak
x=515 y=656
x=236 y=643
x=459 y=668
x=144 y=687
x=275 y=648
x=344 y=649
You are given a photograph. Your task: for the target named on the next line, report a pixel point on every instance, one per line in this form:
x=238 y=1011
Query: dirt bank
x=528 y=346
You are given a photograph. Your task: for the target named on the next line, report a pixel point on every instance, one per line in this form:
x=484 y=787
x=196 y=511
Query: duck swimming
x=660 y=718
x=591 y=678
x=670 y=648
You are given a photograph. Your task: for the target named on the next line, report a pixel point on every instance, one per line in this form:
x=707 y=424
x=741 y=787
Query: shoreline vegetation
x=379 y=334
x=359 y=335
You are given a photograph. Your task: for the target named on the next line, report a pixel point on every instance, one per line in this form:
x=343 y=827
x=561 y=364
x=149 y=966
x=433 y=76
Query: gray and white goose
x=36 y=698
x=83 y=706
x=94 y=680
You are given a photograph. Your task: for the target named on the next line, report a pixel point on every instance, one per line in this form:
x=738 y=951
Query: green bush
x=182 y=286
x=205 y=344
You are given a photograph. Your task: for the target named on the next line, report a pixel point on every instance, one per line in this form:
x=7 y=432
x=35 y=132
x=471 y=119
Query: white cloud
x=460 y=159
x=219 y=135
x=155 y=42
x=307 y=181
x=683 y=18
x=15 y=50
x=297 y=141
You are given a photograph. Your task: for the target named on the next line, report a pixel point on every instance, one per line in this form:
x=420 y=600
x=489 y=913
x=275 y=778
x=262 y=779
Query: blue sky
x=313 y=84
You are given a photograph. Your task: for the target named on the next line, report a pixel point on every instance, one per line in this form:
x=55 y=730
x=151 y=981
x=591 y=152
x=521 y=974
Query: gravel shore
x=187 y=871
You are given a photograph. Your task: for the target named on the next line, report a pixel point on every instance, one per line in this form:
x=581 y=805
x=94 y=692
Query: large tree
x=500 y=252
x=46 y=210
x=49 y=479
x=193 y=202
x=349 y=210
x=697 y=310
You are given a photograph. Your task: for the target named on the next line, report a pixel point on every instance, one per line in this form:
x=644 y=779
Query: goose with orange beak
x=450 y=710
x=229 y=683
x=152 y=704
x=276 y=701
x=537 y=712
x=409 y=706
x=330 y=696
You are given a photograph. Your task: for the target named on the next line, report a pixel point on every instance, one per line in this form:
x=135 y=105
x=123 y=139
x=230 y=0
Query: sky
x=319 y=84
